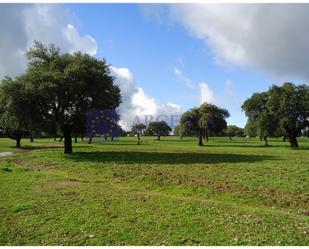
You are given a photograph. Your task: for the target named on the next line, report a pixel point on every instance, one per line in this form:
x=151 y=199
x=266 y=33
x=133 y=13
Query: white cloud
x=21 y=24
x=188 y=82
x=272 y=38
x=143 y=104
x=137 y=106
x=206 y=94
x=85 y=44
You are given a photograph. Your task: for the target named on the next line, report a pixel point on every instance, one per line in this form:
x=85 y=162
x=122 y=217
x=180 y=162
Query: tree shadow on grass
x=45 y=147
x=243 y=145
x=132 y=143
x=37 y=147
x=128 y=157
x=284 y=146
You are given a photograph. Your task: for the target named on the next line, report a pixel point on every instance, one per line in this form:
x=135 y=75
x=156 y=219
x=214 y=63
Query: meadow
x=168 y=192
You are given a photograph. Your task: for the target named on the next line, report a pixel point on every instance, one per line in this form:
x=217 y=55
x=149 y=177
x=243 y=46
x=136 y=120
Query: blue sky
x=151 y=50
x=168 y=58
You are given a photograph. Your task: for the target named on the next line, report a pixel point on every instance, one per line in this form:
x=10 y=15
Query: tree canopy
x=138 y=129
x=233 y=131
x=204 y=120
x=158 y=128
x=56 y=91
x=282 y=110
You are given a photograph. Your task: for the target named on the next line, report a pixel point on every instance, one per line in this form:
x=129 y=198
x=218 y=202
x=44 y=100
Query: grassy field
x=167 y=192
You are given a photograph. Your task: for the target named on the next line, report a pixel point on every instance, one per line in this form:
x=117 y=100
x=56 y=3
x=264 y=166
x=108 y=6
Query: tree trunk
x=230 y=138
x=261 y=138
x=60 y=140
x=31 y=138
x=82 y=138
x=284 y=138
x=138 y=136
x=265 y=140
x=207 y=135
x=18 y=142
x=55 y=139
x=75 y=139
x=90 y=140
x=17 y=137
x=292 y=136
x=105 y=138
x=180 y=137
x=112 y=138
x=200 y=138
x=159 y=138
x=293 y=141
x=67 y=131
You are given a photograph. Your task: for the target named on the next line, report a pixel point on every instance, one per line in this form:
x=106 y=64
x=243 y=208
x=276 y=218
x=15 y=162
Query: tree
x=212 y=119
x=250 y=128
x=233 y=131
x=179 y=131
x=158 y=128
x=255 y=109
x=290 y=103
x=190 y=121
x=138 y=130
x=14 y=110
x=266 y=126
x=204 y=119
x=60 y=88
x=282 y=110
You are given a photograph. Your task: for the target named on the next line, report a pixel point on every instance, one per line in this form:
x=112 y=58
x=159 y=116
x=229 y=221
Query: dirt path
x=6 y=154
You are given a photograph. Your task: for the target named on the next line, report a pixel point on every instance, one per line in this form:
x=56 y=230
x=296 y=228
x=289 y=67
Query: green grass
x=167 y=192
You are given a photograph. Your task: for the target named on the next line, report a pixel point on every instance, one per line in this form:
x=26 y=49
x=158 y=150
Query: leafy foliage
x=282 y=110
x=203 y=120
x=138 y=129
x=158 y=128
x=57 y=89
x=234 y=131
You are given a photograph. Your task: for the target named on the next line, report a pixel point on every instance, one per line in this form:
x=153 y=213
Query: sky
x=168 y=58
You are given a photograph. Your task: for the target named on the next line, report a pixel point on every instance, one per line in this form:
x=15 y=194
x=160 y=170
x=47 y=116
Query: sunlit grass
x=169 y=192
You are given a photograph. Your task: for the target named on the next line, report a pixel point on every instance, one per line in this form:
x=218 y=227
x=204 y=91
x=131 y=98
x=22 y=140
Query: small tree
x=138 y=130
x=212 y=119
x=159 y=128
x=200 y=121
x=233 y=131
x=15 y=108
x=179 y=130
x=190 y=121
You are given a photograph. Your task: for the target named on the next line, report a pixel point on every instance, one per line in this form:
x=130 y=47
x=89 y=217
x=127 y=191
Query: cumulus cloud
x=137 y=106
x=86 y=44
x=21 y=24
x=206 y=94
x=272 y=38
